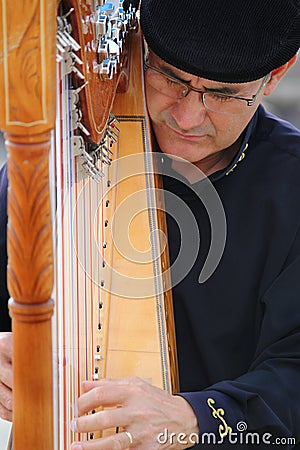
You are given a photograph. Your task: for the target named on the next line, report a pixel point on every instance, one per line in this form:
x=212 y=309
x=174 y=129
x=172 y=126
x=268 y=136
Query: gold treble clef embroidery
x=224 y=428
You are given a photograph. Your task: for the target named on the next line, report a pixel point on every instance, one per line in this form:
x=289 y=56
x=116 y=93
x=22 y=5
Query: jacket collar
x=241 y=154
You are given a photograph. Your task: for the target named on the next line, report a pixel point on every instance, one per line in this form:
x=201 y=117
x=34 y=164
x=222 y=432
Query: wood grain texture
x=30 y=269
x=27 y=115
x=27 y=66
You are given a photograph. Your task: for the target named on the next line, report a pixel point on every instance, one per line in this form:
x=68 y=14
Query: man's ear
x=277 y=74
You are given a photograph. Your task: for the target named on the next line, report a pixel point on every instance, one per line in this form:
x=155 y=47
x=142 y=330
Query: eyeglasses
x=213 y=101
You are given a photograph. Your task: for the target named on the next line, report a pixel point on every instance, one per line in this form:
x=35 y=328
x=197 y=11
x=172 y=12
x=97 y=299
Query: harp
x=80 y=219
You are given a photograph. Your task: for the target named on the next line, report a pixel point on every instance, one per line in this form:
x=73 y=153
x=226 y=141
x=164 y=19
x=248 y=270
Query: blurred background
x=285 y=100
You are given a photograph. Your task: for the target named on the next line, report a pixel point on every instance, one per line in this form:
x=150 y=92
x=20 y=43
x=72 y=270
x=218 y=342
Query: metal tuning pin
x=106 y=70
x=78 y=145
x=87 y=162
x=67 y=14
x=96 y=151
x=76 y=116
x=75 y=58
x=97 y=358
x=111 y=24
x=112 y=136
x=102 y=151
x=91 y=169
x=74 y=97
x=96 y=374
x=106 y=151
x=67 y=46
x=111 y=124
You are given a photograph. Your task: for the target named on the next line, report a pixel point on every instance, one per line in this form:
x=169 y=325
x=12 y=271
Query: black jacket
x=238 y=333
x=5 y=323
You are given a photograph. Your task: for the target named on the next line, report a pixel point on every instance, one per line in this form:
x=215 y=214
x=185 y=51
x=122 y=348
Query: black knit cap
x=233 y=41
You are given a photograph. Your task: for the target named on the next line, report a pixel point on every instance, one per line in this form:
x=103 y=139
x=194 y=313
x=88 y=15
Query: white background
x=4 y=434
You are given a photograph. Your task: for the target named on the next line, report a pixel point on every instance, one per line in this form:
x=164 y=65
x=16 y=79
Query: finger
x=117 y=441
x=102 y=420
x=6 y=345
x=6 y=359
x=6 y=374
x=6 y=399
x=5 y=413
x=6 y=338
x=109 y=396
x=125 y=381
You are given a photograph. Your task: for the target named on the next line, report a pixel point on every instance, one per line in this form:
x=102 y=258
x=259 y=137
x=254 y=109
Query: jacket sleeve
x=5 y=323
x=265 y=401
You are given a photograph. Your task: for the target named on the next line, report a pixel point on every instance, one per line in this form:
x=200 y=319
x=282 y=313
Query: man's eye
x=219 y=98
x=172 y=82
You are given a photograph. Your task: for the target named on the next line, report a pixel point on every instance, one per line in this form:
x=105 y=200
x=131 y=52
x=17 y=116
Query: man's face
x=184 y=128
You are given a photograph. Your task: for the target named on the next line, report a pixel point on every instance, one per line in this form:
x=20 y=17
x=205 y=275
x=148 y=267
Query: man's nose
x=189 y=112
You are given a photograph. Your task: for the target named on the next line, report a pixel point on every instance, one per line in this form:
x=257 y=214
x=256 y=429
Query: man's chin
x=185 y=151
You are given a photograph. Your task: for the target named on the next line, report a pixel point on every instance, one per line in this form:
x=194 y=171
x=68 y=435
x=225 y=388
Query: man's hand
x=141 y=412
x=6 y=376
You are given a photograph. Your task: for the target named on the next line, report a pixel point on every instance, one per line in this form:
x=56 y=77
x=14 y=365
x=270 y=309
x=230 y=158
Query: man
x=238 y=330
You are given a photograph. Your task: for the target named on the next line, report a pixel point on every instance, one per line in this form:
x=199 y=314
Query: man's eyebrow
x=226 y=90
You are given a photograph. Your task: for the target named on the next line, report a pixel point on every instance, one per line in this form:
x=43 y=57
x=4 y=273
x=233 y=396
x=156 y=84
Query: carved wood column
x=27 y=115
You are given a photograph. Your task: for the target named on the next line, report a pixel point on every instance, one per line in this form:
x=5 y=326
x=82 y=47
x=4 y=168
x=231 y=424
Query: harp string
x=78 y=217
x=64 y=383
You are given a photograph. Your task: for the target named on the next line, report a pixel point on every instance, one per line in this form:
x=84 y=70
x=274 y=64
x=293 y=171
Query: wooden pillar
x=27 y=115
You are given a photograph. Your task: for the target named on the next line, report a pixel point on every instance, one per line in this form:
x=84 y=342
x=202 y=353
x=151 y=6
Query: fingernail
x=76 y=446
x=73 y=426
